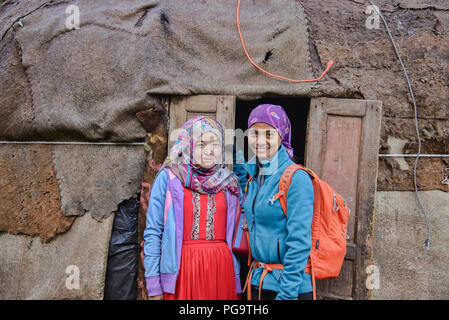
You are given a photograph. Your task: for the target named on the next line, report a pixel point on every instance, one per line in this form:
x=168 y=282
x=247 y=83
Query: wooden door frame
x=370 y=112
x=223 y=106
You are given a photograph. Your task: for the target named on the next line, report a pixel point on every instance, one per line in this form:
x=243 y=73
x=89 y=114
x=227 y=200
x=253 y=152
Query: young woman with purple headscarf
x=275 y=238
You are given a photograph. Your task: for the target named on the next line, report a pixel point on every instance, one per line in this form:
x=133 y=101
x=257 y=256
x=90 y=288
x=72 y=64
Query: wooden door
x=220 y=108
x=342 y=146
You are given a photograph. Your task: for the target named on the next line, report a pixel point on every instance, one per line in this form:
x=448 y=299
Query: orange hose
x=329 y=64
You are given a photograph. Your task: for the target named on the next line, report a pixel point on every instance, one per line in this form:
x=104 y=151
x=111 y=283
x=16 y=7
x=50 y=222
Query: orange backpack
x=329 y=225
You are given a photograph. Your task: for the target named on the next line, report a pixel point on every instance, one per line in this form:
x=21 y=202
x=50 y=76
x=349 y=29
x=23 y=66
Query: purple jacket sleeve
x=153 y=234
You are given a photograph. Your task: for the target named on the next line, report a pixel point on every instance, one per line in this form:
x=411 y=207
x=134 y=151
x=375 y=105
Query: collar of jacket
x=270 y=166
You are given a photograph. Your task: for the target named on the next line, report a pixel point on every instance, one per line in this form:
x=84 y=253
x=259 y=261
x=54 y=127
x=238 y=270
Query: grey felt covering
x=88 y=83
x=95 y=179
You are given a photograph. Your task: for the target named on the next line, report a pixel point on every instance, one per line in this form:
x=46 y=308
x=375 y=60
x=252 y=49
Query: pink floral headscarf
x=192 y=176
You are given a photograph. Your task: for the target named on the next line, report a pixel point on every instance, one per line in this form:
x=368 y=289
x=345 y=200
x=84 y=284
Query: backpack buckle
x=265 y=266
x=347 y=207
x=334 y=200
x=276 y=196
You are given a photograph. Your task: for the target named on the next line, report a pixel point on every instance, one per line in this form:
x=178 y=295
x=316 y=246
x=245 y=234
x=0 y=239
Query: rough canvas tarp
x=88 y=83
x=95 y=179
x=30 y=269
x=398 y=247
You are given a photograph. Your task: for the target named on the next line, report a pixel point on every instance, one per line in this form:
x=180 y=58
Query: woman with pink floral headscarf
x=190 y=220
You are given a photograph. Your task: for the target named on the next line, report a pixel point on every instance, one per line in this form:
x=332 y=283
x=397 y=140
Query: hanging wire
x=427 y=241
x=397 y=155
x=329 y=63
x=76 y=143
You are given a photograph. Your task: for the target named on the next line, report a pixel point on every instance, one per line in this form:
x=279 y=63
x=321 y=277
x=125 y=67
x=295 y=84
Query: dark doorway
x=297 y=110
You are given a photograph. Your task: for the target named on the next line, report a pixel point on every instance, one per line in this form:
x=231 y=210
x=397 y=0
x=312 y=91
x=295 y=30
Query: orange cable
x=329 y=64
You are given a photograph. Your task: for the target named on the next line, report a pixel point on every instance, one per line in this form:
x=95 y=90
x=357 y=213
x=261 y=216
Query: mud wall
x=367 y=68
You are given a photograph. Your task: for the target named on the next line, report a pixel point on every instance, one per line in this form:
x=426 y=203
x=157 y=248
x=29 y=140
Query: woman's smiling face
x=207 y=150
x=263 y=140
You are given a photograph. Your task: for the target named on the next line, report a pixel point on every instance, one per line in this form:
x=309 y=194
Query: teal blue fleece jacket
x=274 y=237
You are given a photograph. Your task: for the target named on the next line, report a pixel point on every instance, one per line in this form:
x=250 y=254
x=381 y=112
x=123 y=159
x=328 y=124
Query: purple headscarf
x=276 y=117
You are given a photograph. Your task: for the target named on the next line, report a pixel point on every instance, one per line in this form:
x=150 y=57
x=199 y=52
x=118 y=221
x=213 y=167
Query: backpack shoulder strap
x=284 y=183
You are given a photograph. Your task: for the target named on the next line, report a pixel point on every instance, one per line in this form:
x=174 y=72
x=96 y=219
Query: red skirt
x=206 y=272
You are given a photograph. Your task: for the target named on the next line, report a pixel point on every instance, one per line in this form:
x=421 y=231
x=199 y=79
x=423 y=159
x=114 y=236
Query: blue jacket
x=164 y=233
x=275 y=238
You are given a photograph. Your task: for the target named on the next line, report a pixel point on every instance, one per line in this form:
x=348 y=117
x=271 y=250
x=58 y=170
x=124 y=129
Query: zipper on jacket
x=279 y=255
x=253 y=215
x=253 y=222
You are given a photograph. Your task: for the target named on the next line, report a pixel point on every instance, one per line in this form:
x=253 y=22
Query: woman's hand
x=158 y=297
